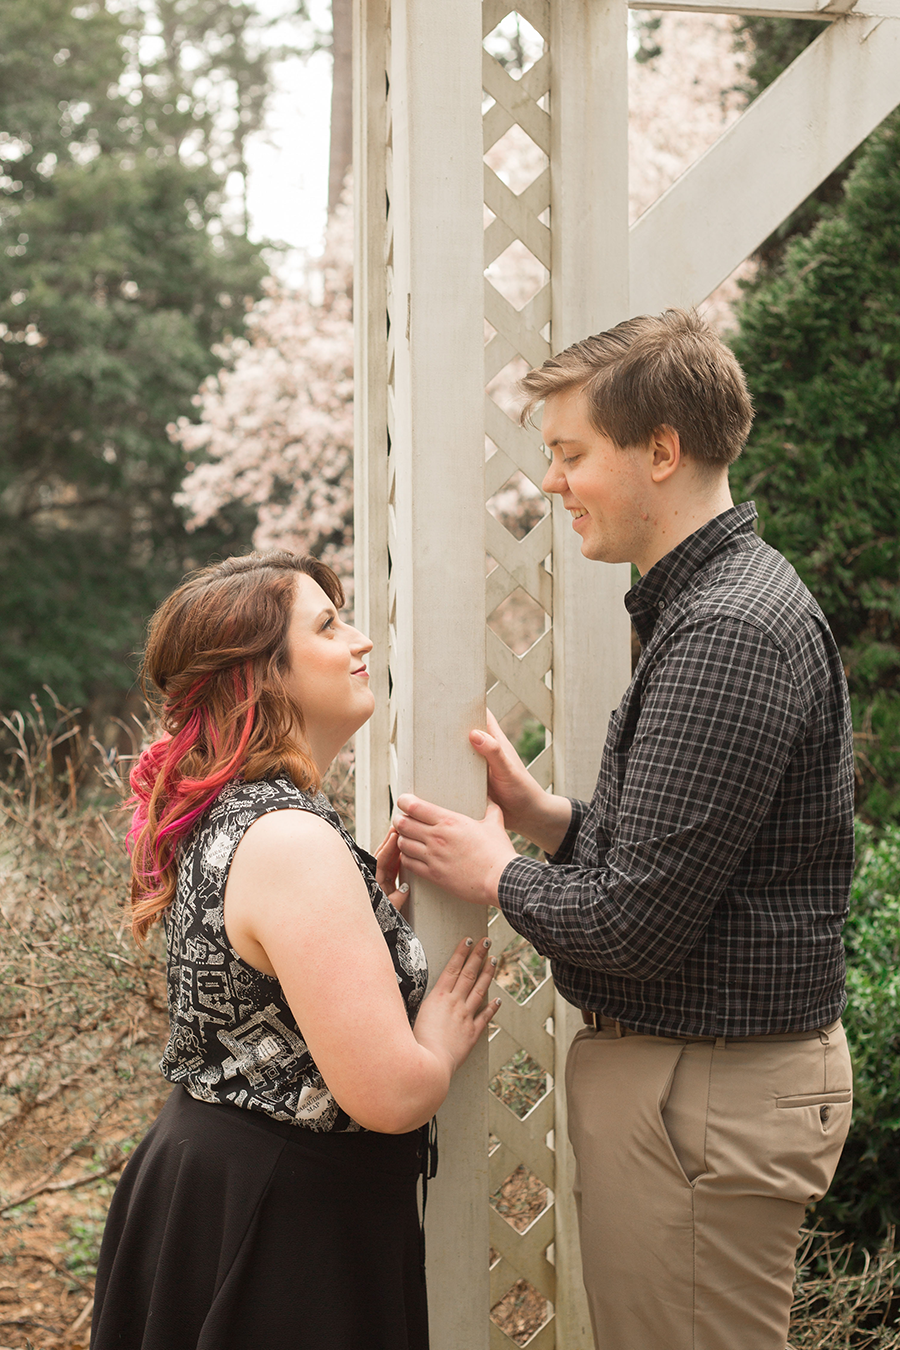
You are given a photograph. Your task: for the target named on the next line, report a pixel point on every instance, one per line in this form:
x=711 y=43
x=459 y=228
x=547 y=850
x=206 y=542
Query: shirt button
x=661 y=605
x=824 y=1113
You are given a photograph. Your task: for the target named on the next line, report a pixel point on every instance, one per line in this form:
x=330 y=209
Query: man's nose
x=554 y=479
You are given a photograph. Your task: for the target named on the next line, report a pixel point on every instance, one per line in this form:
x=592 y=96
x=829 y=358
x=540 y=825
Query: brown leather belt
x=602 y=1023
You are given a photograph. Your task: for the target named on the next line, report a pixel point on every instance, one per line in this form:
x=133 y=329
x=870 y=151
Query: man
x=693 y=908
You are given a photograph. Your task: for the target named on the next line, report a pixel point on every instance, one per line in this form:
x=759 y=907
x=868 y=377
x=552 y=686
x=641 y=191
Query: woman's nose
x=361 y=643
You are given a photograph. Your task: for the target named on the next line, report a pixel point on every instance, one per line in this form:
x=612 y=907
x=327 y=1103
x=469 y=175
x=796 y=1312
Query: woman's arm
x=297 y=907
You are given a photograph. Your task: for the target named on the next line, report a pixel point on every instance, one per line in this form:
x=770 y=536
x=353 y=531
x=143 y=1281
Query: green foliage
x=820 y=343
x=864 y=1201
x=532 y=740
x=117 y=279
x=645 y=28
x=771 y=45
x=85 y=1236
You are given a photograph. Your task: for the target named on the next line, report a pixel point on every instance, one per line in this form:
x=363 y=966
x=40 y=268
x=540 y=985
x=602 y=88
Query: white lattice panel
x=519 y=587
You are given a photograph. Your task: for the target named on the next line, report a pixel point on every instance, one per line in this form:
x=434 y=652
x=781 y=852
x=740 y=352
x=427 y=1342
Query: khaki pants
x=695 y=1162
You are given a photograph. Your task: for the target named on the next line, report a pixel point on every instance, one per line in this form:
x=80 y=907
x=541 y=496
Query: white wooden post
x=428 y=615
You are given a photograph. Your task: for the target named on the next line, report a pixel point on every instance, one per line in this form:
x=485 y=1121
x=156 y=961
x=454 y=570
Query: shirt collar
x=667 y=579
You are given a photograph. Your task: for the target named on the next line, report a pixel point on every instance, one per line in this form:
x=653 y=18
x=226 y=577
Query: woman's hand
x=454 y=1015
x=536 y=815
x=387 y=873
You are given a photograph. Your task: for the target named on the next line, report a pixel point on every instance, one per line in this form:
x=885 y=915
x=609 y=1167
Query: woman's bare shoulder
x=292 y=827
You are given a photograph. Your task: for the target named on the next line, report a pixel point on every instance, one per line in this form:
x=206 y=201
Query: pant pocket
x=824 y=1100
x=813 y=1127
x=684 y=1110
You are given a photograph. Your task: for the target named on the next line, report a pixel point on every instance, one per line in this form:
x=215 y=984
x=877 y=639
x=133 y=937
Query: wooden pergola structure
x=432 y=447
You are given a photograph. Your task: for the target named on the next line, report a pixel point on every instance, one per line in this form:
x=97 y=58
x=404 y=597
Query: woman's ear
x=665 y=453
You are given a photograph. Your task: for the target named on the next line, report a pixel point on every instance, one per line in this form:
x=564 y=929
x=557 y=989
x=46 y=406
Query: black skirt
x=231 y=1231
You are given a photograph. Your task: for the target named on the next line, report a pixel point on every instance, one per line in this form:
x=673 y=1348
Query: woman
x=272 y=1206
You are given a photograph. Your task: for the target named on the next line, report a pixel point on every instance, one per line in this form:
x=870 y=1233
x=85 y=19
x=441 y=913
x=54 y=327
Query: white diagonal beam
x=833 y=95
x=779 y=9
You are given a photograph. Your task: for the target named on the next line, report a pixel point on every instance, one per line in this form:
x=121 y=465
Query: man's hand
x=459 y=854
x=539 y=816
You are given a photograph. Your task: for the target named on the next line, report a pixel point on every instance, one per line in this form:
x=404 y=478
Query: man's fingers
x=484 y=743
x=411 y=848
x=417 y=809
x=418 y=866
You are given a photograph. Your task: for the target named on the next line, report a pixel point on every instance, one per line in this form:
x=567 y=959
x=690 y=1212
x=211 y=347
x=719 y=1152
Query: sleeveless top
x=233 y=1037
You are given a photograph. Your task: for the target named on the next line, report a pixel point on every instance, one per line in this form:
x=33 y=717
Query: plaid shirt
x=703 y=889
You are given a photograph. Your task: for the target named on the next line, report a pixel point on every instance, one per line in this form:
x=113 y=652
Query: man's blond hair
x=668 y=370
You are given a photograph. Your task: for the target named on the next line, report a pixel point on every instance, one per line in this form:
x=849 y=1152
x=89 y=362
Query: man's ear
x=665 y=453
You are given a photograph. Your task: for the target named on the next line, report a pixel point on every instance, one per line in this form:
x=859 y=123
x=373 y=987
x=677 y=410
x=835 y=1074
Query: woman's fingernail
x=487 y=943
x=469 y=942
x=403 y=888
x=493 y=960
x=477 y=738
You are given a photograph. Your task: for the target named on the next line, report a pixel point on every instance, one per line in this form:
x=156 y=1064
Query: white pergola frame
x=422 y=478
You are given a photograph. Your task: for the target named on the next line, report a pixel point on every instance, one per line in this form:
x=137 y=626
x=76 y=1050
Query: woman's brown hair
x=214 y=668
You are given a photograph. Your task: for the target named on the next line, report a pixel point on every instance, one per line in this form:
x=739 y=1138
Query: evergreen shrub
x=864 y=1201
x=820 y=342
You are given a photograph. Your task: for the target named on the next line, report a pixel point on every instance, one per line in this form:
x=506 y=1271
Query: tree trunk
x=341 y=101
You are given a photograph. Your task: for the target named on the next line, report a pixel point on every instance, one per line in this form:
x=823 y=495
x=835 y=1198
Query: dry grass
x=839 y=1307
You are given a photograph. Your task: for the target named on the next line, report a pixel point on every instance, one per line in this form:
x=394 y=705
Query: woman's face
x=327 y=675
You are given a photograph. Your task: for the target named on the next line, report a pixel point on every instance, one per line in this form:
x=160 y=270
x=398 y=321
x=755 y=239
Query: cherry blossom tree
x=275 y=425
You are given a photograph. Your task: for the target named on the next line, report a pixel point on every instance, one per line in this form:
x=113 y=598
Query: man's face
x=605 y=489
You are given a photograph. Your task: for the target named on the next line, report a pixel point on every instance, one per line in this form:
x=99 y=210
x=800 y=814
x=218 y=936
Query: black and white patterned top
x=703 y=889
x=233 y=1037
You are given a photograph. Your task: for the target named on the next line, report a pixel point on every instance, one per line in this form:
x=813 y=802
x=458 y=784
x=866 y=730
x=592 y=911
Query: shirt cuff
x=567 y=847
x=517 y=880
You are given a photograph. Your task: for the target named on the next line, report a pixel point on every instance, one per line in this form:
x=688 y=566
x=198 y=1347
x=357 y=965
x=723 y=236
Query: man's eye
x=570 y=459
